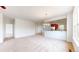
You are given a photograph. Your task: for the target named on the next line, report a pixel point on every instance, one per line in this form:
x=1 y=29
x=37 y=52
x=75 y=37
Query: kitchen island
x=60 y=35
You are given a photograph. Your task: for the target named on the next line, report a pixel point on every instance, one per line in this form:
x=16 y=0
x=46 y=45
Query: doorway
x=8 y=30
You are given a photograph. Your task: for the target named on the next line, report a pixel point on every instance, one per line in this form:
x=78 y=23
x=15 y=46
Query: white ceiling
x=36 y=13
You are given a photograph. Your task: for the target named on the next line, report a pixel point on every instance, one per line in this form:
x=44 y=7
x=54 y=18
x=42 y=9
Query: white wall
x=39 y=27
x=75 y=28
x=24 y=28
x=70 y=27
x=8 y=26
x=1 y=28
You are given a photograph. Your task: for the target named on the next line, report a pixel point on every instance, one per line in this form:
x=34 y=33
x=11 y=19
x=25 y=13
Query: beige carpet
x=35 y=43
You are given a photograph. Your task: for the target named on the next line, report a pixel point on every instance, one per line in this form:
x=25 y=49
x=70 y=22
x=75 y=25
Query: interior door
x=8 y=30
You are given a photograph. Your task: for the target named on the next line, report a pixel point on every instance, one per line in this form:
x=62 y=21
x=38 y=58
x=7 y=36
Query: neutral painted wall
x=39 y=27
x=8 y=26
x=7 y=19
x=70 y=27
x=23 y=28
x=75 y=28
x=1 y=28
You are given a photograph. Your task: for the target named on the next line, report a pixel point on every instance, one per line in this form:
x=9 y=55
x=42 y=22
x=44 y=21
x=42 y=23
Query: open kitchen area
x=56 y=29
